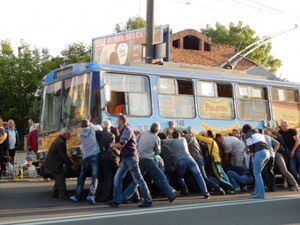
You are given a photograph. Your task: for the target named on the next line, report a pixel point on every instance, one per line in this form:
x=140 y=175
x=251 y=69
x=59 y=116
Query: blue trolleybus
x=201 y=97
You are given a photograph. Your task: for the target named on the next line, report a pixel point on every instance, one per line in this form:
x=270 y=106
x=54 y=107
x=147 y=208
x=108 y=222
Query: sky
x=54 y=24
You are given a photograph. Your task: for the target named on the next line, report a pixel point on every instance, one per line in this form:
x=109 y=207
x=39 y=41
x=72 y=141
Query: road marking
x=137 y=212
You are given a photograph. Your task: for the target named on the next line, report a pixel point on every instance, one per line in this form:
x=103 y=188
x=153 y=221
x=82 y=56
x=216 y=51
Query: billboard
x=126 y=47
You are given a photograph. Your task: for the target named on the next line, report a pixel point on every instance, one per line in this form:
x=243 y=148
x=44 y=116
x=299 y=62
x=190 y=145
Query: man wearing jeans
x=196 y=153
x=292 y=142
x=238 y=176
x=90 y=154
x=149 y=146
x=258 y=146
x=129 y=162
x=234 y=150
x=184 y=161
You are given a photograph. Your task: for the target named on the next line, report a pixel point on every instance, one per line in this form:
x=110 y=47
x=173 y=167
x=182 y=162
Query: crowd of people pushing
x=175 y=161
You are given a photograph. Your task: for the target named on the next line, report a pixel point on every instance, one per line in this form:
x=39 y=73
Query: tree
x=242 y=36
x=76 y=53
x=19 y=76
x=133 y=23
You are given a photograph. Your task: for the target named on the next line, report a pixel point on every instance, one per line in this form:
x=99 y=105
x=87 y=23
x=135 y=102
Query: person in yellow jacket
x=215 y=166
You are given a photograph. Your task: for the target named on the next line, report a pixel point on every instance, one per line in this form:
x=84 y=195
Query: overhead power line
x=232 y=62
x=255 y=6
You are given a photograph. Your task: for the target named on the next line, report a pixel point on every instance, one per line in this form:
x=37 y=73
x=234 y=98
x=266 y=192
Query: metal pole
x=149 y=31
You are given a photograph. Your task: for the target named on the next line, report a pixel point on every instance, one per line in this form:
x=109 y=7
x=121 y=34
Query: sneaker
x=73 y=198
x=185 y=190
x=285 y=184
x=244 y=188
x=113 y=204
x=294 y=188
x=145 y=205
x=91 y=199
x=176 y=194
x=238 y=189
x=257 y=196
x=206 y=196
x=230 y=192
x=220 y=192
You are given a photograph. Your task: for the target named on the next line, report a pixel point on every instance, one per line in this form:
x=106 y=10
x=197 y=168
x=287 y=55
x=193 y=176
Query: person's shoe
x=244 y=188
x=257 y=196
x=113 y=204
x=221 y=192
x=206 y=196
x=145 y=205
x=127 y=201
x=176 y=194
x=135 y=200
x=253 y=194
x=185 y=190
x=238 y=189
x=294 y=188
x=91 y=199
x=230 y=192
x=73 y=198
x=285 y=184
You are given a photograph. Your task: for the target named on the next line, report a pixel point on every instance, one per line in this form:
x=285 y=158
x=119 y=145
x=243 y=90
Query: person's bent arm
x=206 y=140
x=296 y=145
x=272 y=130
x=275 y=144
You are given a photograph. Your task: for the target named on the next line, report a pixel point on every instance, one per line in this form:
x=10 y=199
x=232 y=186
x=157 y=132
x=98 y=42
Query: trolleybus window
x=75 y=99
x=130 y=94
x=51 y=108
x=95 y=99
x=285 y=105
x=215 y=100
x=175 y=98
x=252 y=103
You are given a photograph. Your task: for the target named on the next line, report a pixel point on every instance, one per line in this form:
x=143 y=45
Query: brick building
x=193 y=47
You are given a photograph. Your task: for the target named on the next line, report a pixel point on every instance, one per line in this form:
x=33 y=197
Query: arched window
x=191 y=42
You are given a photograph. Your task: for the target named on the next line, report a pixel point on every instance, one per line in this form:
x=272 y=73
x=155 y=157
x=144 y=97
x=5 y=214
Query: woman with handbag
x=213 y=161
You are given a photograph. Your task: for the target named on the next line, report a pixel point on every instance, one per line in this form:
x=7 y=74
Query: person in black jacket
x=109 y=162
x=56 y=157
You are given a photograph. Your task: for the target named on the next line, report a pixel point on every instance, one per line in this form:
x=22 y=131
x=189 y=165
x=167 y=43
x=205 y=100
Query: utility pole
x=149 y=31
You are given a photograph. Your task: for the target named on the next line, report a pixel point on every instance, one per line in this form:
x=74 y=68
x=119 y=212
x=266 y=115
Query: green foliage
x=242 y=36
x=132 y=23
x=21 y=78
x=76 y=53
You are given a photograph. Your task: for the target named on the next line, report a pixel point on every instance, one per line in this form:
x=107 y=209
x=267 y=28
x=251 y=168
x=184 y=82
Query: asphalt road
x=29 y=202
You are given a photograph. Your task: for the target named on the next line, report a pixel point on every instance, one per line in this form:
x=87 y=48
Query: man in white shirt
x=13 y=139
x=233 y=150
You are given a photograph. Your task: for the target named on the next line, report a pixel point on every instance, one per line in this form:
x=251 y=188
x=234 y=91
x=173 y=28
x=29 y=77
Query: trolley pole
x=149 y=31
